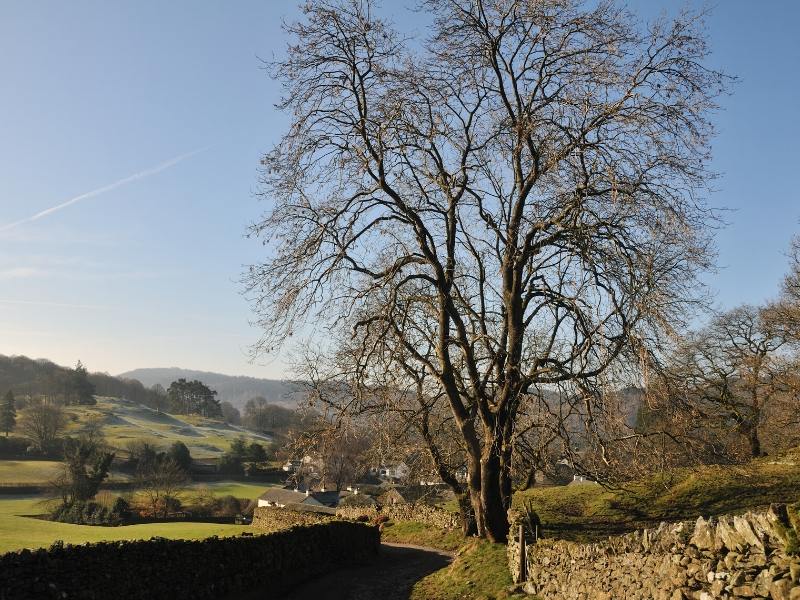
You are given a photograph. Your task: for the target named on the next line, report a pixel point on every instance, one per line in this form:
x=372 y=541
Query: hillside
x=123 y=421
x=236 y=389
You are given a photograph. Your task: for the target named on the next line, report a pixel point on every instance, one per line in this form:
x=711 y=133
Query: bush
x=228 y=506
x=180 y=454
x=203 y=503
x=84 y=513
x=230 y=464
x=120 y=510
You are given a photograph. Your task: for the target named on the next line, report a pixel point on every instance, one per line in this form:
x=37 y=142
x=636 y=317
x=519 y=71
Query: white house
x=393 y=470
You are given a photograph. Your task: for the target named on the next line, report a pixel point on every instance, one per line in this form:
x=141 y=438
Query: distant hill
x=236 y=389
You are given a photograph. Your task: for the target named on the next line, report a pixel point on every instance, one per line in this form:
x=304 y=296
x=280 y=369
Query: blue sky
x=169 y=101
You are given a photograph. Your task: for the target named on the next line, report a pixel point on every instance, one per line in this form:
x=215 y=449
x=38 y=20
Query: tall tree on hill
x=193 y=397
x=77 y=387
x=517 y=202
x=8 y=413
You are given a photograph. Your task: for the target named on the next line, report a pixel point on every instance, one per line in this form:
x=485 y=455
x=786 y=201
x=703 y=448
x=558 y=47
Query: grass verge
x=479 y=571
x=420 y=534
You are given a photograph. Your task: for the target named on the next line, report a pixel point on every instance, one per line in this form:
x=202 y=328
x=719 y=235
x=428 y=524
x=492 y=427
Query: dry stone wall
x=731 y=557
x=422 y=513
x=271 y=518
x=182 y=570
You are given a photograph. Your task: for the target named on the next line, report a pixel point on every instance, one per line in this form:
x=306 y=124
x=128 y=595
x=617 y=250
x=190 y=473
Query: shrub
x=120 y=510
x=230 y=464
x=83 y=513
x=228 y=506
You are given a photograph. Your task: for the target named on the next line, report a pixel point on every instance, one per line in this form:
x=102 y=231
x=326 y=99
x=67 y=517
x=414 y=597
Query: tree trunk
x=495 y=517
x=469 y=525
x=755 y=441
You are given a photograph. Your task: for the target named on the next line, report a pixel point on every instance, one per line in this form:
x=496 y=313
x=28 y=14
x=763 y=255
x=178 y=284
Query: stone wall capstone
x=183 y=569
x=730 y=557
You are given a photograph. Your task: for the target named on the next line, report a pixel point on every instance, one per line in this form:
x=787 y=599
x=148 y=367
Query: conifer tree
x=8 y=413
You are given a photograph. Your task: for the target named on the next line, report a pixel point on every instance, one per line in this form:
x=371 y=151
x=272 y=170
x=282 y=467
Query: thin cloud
x=53 y=304
x=102 y=190
x=19 y=273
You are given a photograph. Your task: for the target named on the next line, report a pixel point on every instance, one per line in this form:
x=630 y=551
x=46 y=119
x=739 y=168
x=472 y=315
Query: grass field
x=37 y=472
x=18 y=531
x=248 y=491
x=27 y=472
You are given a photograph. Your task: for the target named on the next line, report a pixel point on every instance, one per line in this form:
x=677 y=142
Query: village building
x=391 y=470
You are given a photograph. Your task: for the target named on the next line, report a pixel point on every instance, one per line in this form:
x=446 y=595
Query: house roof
x=284 y=496
x=328 y=498
x=313 y=508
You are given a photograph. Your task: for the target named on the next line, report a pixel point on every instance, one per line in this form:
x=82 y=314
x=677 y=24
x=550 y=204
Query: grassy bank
x=589 y=510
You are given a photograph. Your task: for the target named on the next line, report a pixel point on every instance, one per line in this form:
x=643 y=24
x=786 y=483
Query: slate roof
x=284 y=496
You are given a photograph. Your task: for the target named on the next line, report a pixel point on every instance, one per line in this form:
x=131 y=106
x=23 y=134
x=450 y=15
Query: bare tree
x=785 y=312
x=729 y=374
x=159 y=481
x=42 y=424
x=516 y=202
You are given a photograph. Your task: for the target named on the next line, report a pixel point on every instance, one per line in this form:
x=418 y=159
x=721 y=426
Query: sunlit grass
x=478 y=571
x=18 y=531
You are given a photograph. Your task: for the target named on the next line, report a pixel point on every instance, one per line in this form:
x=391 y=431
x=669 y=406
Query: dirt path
x=390 y=577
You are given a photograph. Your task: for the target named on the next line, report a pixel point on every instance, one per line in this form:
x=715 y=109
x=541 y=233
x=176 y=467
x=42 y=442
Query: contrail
x=107 y=188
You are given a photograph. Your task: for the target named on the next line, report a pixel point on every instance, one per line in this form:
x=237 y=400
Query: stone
x=745 y=591
x=780 y=589
x=728 y=537
x=717 y=587
x=529 y=588
x=731 y=559
x=762 y=582
x=794 y=571
x=703 y=536
x=794 y=593
x=743 y=528
x=736 y=579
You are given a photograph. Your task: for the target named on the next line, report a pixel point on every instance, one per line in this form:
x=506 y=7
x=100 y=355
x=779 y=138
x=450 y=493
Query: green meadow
x=19 y=531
